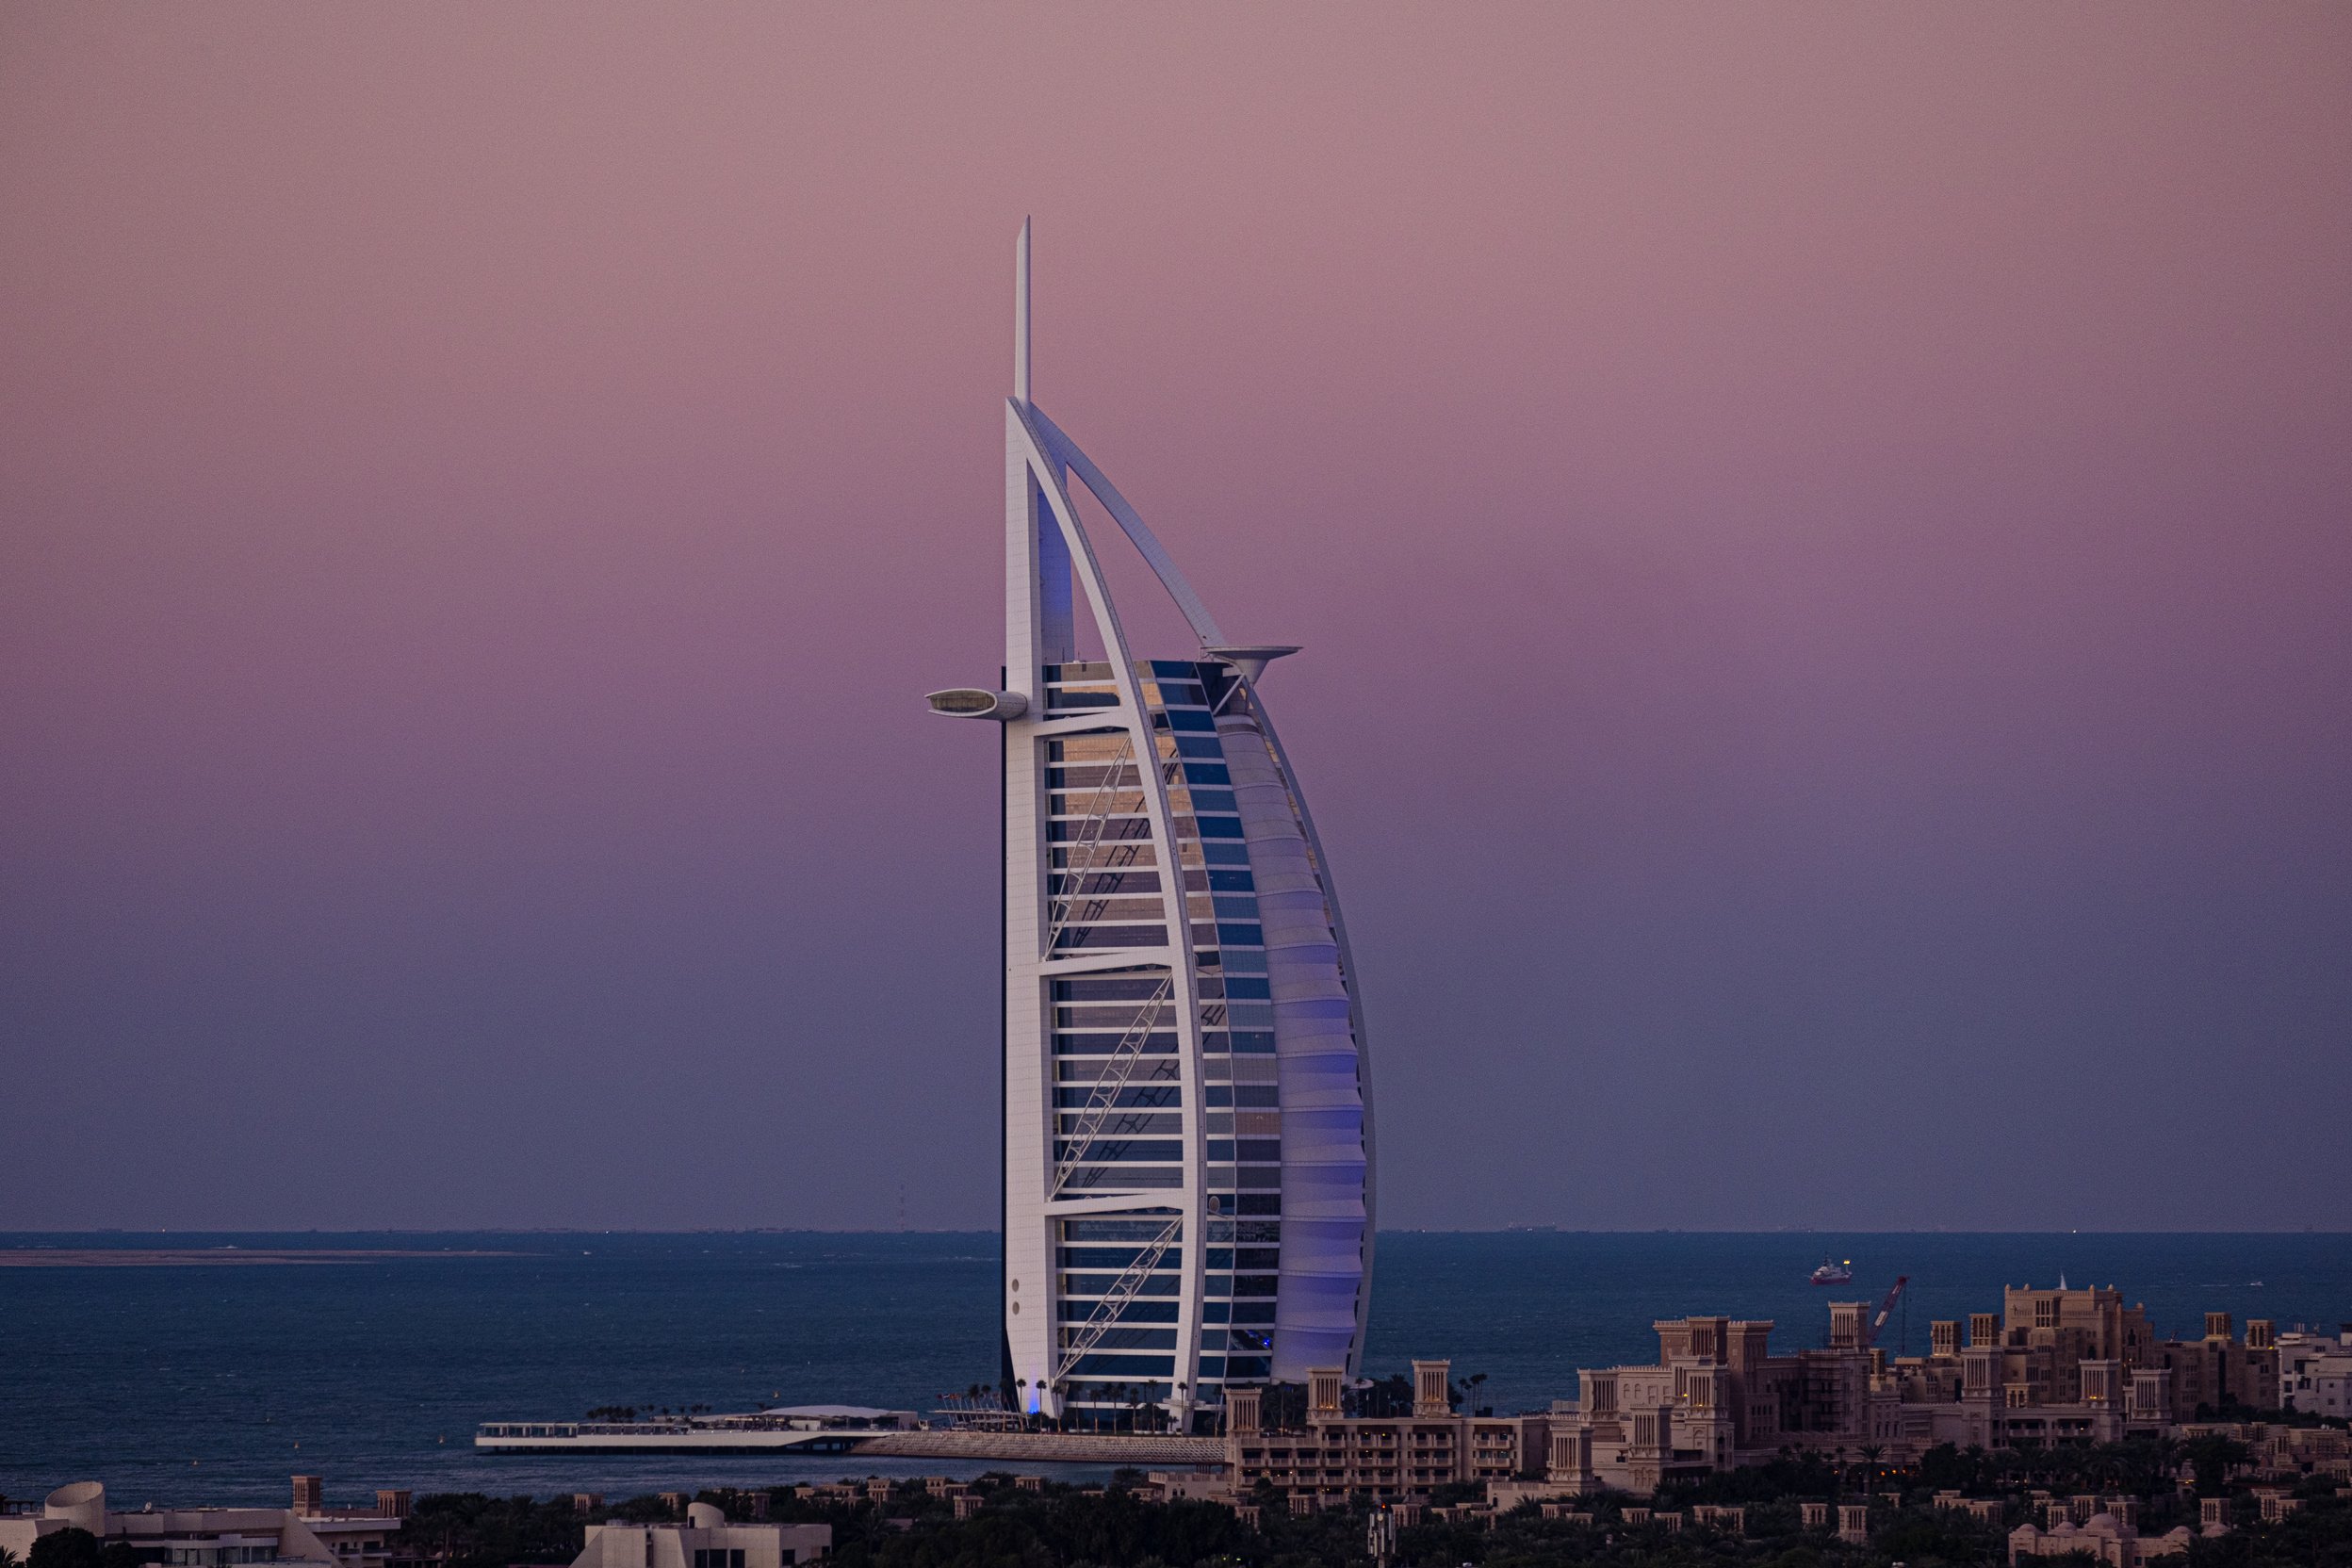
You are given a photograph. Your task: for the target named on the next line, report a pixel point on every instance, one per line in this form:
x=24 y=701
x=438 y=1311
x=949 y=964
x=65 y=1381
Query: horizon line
x=965 y=1230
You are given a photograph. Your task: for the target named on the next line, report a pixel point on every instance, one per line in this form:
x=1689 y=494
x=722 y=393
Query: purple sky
x=1821 y=536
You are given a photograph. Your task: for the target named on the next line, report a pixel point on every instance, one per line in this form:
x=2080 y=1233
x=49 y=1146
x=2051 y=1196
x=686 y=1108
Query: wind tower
x=1188 y=1193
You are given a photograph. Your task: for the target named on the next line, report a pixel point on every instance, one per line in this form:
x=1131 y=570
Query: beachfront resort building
x=1187 y=1187
x=2052 y=1367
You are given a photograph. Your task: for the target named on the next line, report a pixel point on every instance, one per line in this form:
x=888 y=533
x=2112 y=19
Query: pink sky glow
x=1820 y=535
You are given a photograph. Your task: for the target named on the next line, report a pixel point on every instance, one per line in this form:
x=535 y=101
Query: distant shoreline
x=214 y=1257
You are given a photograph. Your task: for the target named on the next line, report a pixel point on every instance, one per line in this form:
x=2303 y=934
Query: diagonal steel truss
x=1087 y=854
x=1123 y=1290
x=1116 y=1071
x=1089 y=857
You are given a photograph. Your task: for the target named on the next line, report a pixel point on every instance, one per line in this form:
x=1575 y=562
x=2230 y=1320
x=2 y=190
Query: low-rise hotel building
x=2104 y=1538
x=1334 y=1456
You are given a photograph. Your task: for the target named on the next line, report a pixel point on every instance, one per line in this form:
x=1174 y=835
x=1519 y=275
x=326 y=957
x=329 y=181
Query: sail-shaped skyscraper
x=1187 y=1196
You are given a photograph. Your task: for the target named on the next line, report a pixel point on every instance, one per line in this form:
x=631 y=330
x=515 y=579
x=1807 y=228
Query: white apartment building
x=706 y=1540
x=2315 y=1371
x=221 y=1537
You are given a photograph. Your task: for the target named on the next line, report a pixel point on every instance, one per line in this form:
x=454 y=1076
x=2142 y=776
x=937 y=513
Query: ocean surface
x=214 y=1384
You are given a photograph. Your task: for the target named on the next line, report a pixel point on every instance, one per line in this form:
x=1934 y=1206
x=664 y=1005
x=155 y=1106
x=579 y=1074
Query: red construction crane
x=1886 y=1310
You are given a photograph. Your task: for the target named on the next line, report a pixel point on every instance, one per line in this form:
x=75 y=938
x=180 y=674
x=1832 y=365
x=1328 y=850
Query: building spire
x=1020 y=318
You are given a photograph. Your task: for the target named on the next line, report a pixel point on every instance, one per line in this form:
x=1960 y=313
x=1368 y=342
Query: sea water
x=215 y=1383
